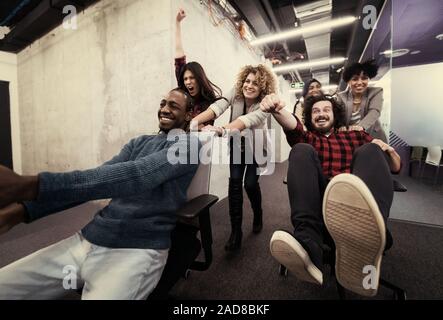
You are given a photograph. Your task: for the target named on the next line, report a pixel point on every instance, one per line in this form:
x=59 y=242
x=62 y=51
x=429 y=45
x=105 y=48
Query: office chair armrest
x=194 y=207
x=197 y=211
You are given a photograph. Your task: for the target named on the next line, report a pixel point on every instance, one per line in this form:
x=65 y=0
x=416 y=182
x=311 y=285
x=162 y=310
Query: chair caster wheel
x=283 y=271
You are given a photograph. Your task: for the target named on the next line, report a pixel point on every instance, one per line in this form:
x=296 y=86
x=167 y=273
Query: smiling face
x=314 y=89
x=191 y=83
x=250 y=88
x=172 y=113
x=359 y=83
x=322 y=117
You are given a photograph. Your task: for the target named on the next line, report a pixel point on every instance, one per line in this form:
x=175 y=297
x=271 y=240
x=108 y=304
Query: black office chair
x=193 y=220
x=329 y=259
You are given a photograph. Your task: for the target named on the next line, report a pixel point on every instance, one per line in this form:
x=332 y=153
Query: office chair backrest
x=200 y=183
x=417 y=153
x=434 y=155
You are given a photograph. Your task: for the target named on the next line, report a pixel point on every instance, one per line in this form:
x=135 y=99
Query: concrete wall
x=8 y=72
x=86 y=92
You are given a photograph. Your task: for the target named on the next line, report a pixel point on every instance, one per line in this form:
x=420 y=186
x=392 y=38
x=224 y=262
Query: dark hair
x=337 y=109
x=209 y=92
x=369 y=68
x=189 y=99
x=306 y=86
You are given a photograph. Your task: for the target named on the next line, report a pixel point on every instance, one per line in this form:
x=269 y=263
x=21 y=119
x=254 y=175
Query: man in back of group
x=121 y=253
x=339 y=185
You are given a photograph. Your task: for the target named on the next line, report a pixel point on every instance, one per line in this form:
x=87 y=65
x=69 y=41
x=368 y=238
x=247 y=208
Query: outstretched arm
x=245 y=121
x=274 y=105
x=14 y=187
x=215 y=110
x=107 y=181
x=179 y=52
x=198 y=121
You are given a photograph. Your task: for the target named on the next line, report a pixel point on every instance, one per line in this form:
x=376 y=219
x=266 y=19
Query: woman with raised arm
x=191 y=76
x=253 y=83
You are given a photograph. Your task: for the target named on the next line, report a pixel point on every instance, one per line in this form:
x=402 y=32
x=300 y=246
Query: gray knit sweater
x=144 y=187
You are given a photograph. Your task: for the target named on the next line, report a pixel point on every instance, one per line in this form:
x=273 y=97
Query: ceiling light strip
x=329 y=87
x=315 y=28
x=308 y=64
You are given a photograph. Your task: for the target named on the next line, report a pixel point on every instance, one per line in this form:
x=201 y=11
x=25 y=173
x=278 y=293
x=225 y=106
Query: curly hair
x=337 y=108
x=264 y=77
x=369 y=68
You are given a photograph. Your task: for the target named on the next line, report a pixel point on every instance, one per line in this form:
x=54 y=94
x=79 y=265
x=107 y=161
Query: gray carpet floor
x=415 y=262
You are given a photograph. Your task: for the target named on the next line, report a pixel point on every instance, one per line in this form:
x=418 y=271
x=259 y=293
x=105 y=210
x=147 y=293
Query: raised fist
x=180 y=15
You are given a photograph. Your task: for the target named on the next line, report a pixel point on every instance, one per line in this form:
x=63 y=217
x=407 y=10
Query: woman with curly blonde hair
x=252 y=85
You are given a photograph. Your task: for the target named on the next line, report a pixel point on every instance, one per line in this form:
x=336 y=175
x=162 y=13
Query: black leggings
x=239 y=169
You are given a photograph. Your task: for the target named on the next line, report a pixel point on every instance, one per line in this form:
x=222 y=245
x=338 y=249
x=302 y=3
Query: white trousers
x=73 y=263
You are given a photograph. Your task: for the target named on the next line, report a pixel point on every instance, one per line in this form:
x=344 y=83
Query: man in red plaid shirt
x=340 y=192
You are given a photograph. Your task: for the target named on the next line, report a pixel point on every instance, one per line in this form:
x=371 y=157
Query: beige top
x=254 y=119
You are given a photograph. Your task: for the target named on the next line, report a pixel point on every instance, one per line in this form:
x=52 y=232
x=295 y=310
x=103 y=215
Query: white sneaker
x=354 y=221
x=290 y=253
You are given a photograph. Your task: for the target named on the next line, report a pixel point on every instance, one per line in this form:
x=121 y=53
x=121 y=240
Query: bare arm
x=179 y=52
x=395 y=160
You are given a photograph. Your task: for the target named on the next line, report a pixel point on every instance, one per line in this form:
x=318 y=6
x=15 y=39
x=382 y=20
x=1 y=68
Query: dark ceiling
x=347 y=41
x=415 y=26
x=416 y=23
x=29 y=20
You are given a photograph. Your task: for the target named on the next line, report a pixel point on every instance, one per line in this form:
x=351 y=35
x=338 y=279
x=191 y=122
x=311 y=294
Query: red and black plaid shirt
x=334 y=151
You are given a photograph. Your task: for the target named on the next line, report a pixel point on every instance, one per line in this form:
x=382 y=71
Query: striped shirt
x=334 y=151
x=355 y=118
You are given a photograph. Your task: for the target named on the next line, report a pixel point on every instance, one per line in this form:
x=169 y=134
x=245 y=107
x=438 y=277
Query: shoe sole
x=354 y=221
x=290 y=253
